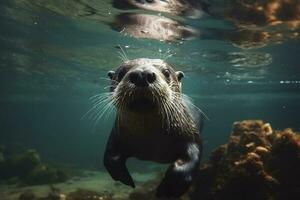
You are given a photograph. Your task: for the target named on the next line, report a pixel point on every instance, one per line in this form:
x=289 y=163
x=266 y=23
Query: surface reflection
x=188 y=8
x=152 y=27
x=240 y=60
x=259 y=23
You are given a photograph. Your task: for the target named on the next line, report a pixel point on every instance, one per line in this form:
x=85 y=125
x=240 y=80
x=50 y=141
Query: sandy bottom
x=96 y=181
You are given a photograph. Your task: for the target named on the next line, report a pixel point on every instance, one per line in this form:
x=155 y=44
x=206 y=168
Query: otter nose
x=141 y=78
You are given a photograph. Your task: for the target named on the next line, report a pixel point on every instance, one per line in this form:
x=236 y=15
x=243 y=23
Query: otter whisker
x=102 y=106
x=120 y=99
x=110 y=80
x=166 y=109
x=180 y=108
x=166 y=54
x=162 y=109
x=100 y=100
x=170 y=55
x=124 y=54
x=164 y=112
x=93 y=107
x=188 y=100
x=98 y=111
x=97 y=98
x=104 y=110
x=186 y=116
x=107 y=79
x=97 y=108
x=100 y=114
x=166 y=101
x=121 y=57
x=108 y=86
x=168 y=114
x=101 y=94
x=175 y=110
x=110 y=110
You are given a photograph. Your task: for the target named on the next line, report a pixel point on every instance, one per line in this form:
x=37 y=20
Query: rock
x=257 y=163
x=21 y=164
x=54 y=194
x=44 y=174
x=27 y=195
x=284 y=163
x=25 y=167
x=83 y=194
x=3 y=166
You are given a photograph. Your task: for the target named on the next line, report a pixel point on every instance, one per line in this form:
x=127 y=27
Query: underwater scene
x=149 y=99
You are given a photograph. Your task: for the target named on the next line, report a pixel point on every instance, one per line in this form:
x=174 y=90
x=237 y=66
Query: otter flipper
x=114 y=161
x=179 y=175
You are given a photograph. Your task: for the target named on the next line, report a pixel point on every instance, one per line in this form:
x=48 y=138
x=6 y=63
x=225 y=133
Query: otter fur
x=154 y=122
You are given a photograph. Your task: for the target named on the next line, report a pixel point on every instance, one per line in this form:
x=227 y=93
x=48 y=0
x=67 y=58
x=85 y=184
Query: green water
x=54 y=55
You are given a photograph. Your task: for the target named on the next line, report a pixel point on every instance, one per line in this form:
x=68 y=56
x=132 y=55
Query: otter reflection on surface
x=188 y=8
x=165 y=130
x=152 y=27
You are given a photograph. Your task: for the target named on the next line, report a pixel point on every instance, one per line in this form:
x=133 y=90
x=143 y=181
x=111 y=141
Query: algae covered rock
x=26 y=167
x=27 y=195
x=18 y=165
x=3 y=165
x=79 y=194
x=256 y=163
x=23 y=163
x=44 y=174
x=284 y=163
x=83 y=194
x=54 y=194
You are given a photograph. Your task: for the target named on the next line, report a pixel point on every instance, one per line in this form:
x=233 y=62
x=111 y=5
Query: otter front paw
x=118 y=171
x=174 y=184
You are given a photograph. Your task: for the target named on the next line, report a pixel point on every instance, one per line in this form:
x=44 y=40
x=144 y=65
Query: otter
x=154 y=122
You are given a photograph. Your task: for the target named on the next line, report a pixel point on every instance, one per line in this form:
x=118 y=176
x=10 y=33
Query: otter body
x=154 y=123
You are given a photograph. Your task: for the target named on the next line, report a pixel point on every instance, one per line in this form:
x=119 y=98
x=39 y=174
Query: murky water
x=54 y=55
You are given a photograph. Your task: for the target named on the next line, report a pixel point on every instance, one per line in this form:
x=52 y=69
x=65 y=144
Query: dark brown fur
x=147 y=130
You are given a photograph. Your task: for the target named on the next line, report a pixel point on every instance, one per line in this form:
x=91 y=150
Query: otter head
x=144 y=85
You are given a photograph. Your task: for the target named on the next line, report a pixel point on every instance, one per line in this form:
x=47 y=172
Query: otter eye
x=111 y=74
x=166 y=72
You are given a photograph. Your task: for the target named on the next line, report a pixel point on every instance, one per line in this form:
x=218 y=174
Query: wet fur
x=155 y=135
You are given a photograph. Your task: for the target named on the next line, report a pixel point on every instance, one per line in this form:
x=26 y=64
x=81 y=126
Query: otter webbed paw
x=180 y=174
x=175 y=183
x=118 y=170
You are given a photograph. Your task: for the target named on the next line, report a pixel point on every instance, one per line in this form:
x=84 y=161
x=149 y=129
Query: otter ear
x=180 y=75
x=111 y=74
